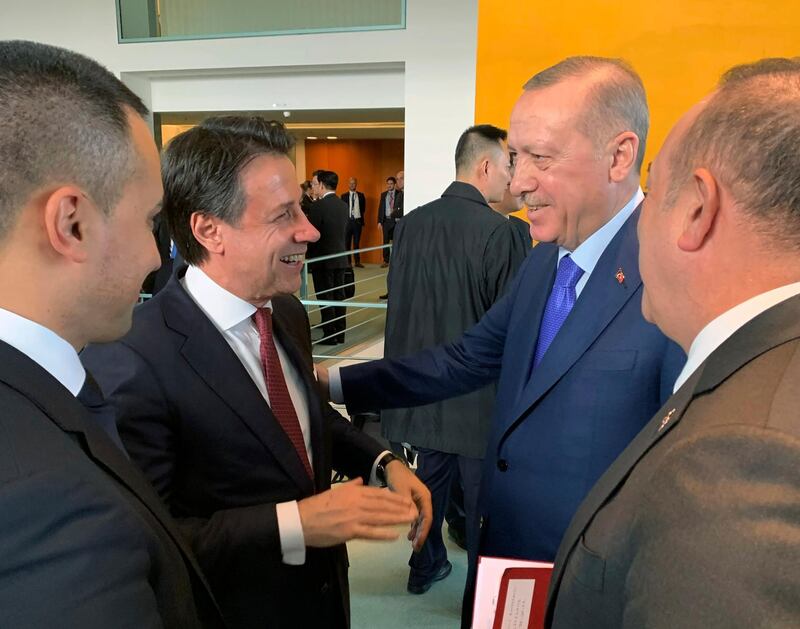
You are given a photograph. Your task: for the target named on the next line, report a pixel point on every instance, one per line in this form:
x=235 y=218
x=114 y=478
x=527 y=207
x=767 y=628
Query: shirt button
x=502 y=465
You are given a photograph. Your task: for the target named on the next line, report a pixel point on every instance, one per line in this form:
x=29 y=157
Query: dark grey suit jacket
x=84 y=540
x=697 y=523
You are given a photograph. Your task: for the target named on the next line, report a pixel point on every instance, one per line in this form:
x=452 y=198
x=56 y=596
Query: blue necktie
x=562 y=299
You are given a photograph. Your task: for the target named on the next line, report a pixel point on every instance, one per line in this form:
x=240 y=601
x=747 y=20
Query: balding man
x=453 y=258
x=579 y=370
x=85 y=541
x=696 y=524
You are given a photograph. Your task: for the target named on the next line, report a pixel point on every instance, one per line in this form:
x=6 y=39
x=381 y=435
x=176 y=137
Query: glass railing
x=148 y=20
x=360 y=318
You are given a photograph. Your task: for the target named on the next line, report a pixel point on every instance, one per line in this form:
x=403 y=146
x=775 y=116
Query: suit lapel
x=215 y=362
x=29 y=379
x=777 y=325
x=600 y=301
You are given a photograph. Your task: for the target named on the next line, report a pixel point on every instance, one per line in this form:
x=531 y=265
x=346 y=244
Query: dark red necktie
x=279 y=400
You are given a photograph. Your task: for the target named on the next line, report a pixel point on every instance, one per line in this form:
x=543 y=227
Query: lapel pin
x=666 y=420
x=620 y=276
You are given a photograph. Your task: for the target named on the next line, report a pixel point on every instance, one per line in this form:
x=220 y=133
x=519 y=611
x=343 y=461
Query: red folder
x=534 y=581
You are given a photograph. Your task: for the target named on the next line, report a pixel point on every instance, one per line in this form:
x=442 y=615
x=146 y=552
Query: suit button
x=324 y=589
x=502 y=465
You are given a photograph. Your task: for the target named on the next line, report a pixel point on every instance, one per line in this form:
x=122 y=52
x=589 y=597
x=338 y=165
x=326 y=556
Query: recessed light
x=332 y=137
x=286 y=114
x=311 y=137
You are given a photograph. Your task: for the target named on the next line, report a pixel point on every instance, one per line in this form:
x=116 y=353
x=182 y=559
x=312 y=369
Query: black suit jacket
x=398 y=207
x=522 y=230
x=329 y=215
x=697 y=523
x=362 y=204
x=84 y=540
x=452 y=259
x=192 y=417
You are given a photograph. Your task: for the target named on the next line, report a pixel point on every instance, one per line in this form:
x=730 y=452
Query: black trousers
x=352 y=237
x=388 y=234
x=328 y=286
x=436 y=470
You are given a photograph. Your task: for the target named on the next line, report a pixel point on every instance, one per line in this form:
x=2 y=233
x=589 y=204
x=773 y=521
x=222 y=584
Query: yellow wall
x=679 y=47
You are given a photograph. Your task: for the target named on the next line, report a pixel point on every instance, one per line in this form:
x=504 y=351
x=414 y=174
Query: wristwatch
x=380 y=469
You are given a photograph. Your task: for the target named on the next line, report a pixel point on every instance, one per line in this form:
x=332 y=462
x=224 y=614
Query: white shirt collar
x=589 y=251
x=225 y=309
x=720 y=329
x=44 y=347
x=327 y=193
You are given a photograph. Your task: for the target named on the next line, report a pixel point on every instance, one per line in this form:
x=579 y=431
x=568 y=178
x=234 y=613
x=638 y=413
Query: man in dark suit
x=85 y=542
x=390 y=210
x=329 y=215
x=357 y=206
x=441 y=286
x=579 y=370
x=216 y=396
x=697 y=523
x=522 y=230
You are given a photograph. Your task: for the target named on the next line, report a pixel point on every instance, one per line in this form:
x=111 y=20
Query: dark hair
x=392 y=179
x=306 y=185
x=63 y=119
x=616 y=102
x=748 y=136
x=475 y=142
x=202 y=167
x=327 y=178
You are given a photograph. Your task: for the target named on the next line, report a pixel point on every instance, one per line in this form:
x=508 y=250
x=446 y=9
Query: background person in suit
x=216 y=397
x=357 y=208
x=696 y=523
x=579 y=370
x=390 y=209
x=453 y=258
x=84 y=540
x=329 y=215
x=306 y=199
x=505 y=207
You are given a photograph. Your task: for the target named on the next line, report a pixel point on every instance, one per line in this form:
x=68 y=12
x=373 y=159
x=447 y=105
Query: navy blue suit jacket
x=556 y=431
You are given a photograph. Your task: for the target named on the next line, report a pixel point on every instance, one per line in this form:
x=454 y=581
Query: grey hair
x=748 y=136
x=616 y=102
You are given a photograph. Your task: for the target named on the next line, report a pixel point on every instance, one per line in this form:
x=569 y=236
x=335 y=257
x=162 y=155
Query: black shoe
x=457 y=536
x=386 y=296
x=359 y=265
x=421 y=588
x=327 y=342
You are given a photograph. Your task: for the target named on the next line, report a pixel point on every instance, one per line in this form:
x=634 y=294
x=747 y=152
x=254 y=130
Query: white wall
x=437 y=50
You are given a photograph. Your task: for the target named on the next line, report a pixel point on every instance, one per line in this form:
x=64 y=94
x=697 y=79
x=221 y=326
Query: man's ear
x=70 y=217
x=624 y=148
x=207 y=232
x=700 y=217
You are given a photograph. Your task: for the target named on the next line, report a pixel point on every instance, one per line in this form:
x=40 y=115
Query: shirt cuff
x=290 y=530
x=335 y=385
x=373 y=478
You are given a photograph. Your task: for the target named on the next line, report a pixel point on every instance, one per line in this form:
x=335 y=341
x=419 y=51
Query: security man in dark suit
x=390 y=210
x=329 y=214
x=85 y=541
x=357 y=206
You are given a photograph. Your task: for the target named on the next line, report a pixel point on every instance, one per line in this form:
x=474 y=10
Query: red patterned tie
x=279 y=399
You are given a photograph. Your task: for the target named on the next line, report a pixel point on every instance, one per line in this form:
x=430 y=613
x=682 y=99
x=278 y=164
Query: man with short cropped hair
x=357 y=208
x=390 y=210
x=696 y=523
x=85 y=542
x=216 y=398
x=452 y=259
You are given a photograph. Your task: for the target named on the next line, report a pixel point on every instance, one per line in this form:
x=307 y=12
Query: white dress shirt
x=588 y=253
x=44 y=347
x=586 y=256
x=720 y=329
x=232 y=316
x=355 y=209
